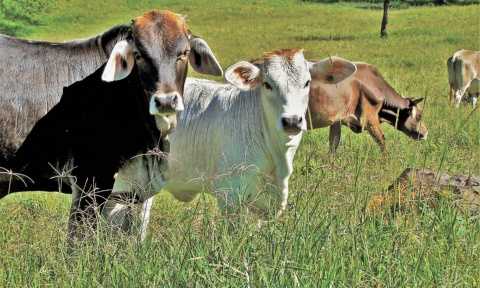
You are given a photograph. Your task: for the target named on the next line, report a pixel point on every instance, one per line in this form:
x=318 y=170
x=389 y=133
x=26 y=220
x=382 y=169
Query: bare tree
x=383 y=30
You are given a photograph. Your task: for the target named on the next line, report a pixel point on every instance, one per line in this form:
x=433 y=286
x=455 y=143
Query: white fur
x=463 y=74
x=122 y=52
x=230 y=142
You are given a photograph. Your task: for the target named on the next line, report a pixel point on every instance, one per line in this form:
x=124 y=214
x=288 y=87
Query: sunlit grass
x=325 y=238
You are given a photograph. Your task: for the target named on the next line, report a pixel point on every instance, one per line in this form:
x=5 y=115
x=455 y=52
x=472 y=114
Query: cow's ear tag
x=120 y=63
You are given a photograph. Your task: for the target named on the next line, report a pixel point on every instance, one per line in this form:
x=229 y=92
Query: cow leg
x=116 y=214
x=334 y=136
x=376 y=132
x=452 y=94
x=85 y=208
x=128 y=216
x=143 y=218
x=82 y=219
x=475 y=98
x=73 y=225
x=458 y=98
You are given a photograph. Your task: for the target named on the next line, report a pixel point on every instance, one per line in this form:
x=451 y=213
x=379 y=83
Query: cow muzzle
x=423 y=136
x=166 y=104
x=293 y=124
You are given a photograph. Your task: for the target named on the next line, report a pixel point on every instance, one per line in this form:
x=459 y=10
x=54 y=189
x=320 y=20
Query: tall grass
x=325 y=238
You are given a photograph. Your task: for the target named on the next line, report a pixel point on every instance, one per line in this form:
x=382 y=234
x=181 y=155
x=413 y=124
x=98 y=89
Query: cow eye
x=186 y=53
x=137 y=55
x=307 y=84
x=267 y=86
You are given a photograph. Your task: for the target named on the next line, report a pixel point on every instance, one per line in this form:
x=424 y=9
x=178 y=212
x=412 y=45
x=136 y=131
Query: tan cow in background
x=362 y=102
x=463 y=75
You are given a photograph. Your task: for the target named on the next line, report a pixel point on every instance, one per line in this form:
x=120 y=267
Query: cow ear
x=244 y=75
x=332 y=70
x=201 y=58
x=414 y=102
x=120 y=63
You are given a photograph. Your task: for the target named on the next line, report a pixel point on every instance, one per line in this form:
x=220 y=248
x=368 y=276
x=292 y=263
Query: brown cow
x=364 y=101
x=463 y=75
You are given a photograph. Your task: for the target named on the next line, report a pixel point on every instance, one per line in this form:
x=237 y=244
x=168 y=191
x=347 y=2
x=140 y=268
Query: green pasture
x=327 y=237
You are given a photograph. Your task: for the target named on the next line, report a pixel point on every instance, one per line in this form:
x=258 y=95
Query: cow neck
x=135 y=103
x=392 y=105
x=281 y=146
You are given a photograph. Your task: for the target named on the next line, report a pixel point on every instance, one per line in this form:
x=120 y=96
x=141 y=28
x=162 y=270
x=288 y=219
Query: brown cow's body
x=362 y=102
x=463 y=75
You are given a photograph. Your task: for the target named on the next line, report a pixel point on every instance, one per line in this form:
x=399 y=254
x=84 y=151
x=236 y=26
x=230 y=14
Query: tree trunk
x=383 y=30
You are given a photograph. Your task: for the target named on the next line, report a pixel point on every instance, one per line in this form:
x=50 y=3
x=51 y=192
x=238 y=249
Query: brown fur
x=463 y=67
x=362 y=102
x=286 y=53
x=171 y=21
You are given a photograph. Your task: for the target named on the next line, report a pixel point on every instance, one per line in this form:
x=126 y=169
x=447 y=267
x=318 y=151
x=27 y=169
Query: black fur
x=94 y=129
x=33 y=74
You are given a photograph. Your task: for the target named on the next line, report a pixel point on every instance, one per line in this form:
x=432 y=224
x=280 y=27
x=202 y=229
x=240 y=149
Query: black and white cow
x=236 y=141
x=105 y=120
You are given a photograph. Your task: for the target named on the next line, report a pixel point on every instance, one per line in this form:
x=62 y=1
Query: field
x=327 y=237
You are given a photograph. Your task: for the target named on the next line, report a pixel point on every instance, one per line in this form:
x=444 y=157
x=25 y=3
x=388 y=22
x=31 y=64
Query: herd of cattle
x=114 y=120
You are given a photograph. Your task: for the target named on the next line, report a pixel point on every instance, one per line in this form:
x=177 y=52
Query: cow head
x=409 y=119
x=158 y=50
x=285 y=77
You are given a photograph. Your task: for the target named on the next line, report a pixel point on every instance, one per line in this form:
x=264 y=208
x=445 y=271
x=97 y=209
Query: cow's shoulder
x=371 y=83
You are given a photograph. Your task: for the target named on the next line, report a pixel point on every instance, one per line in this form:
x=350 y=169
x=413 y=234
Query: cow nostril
x=158 y=103
x=285 y=122
x=299 y=121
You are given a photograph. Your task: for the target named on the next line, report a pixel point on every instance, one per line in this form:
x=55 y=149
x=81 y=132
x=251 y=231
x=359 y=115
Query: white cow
x=237 y=140
x=463 y=75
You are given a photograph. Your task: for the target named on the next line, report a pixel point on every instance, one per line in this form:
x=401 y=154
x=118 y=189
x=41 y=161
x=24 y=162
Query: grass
x=325 y=238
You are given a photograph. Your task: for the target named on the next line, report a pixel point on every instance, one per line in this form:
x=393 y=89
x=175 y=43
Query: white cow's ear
x=332 y=70
x=120 y=63
x=201 y=58
x=244 y=75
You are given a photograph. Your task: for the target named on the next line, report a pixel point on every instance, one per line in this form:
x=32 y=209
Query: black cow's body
x=33 y=74
x=83 y=141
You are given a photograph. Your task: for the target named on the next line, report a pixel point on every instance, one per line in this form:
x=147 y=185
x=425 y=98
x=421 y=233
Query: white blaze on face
x=286 y=85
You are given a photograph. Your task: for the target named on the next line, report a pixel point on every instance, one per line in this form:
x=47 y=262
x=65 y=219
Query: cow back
x=33 y=74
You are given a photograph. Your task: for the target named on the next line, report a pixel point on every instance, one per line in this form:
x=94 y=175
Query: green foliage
x=324 y=238
x=16 y=16
x=401 y=4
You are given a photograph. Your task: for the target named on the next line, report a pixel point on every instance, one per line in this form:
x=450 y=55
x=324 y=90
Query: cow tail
x=451 y=71
x=458 y=69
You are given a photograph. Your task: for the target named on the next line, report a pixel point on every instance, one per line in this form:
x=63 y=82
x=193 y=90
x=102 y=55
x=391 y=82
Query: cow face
x=285 y=77
x=410 y=120
x=160 y=48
